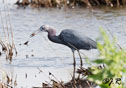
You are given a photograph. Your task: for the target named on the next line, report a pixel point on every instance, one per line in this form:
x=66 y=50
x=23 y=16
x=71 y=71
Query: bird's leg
x=81 y=61
x=74 y=66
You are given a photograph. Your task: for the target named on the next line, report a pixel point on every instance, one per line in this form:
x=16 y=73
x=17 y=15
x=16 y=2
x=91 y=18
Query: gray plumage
x=76 y=40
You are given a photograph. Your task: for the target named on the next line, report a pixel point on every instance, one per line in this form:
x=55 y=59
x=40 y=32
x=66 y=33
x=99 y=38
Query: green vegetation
x=115 y=64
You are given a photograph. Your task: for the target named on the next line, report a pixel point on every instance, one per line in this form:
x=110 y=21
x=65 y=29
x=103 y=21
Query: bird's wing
x=77 y=40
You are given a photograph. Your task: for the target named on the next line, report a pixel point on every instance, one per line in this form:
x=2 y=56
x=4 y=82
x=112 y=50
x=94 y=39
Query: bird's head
x=43 y=28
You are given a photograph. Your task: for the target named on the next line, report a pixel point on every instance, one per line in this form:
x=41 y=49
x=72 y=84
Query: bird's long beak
x=36 y=32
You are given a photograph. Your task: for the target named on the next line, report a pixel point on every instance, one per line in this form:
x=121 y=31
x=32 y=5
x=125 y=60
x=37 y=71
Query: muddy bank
x=71 y=3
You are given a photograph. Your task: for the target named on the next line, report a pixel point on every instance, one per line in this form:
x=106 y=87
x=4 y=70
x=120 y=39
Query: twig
x=113 y=38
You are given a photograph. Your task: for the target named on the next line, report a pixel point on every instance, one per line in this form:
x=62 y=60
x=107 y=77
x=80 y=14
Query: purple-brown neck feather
x=52 y=36
x=51 y=32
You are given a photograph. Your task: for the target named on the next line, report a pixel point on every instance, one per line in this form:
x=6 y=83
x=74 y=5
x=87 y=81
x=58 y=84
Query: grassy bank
x=71 y=3
x=7 y=44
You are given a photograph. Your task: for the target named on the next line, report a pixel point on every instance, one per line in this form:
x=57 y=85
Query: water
x=48 y=56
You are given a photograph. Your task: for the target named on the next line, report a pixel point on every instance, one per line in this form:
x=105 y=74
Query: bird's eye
x=41 y=28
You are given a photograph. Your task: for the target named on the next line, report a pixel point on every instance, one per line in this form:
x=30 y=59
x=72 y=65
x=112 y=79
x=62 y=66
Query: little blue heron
x=71 y=38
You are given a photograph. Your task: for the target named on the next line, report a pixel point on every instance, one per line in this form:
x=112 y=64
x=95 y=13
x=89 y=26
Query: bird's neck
x=54 y=39
x=51 y=32
x=52 y=36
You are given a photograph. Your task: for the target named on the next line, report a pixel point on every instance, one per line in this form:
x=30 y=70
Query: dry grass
x=9 y=82
x=7 y=39
x=80 y=82
x=70 y=3
x=2 y=85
